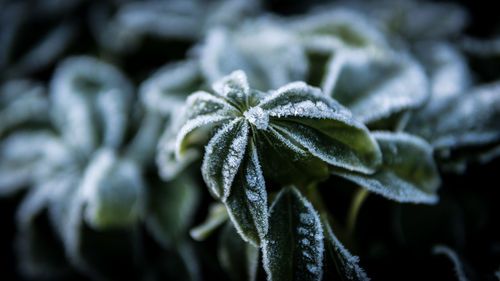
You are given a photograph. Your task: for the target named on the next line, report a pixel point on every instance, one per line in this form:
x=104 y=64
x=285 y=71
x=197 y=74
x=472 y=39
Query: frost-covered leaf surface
x=89 y=96
x=295 y=125
x=408 y=172
x=247 y=204
x=265 y=49
x=346 y=264
x=293 y=247
x=463 y=120
x=376 y=87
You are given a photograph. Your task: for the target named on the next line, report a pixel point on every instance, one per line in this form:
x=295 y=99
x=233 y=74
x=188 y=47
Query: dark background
x=394 y=241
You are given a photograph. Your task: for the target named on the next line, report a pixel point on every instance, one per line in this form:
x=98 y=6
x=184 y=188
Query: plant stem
x=357 y=200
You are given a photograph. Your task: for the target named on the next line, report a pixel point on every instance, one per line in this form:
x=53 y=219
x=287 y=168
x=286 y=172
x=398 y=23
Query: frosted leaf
x=448 y=72
x=466 y=120
x=168 y=164
x=217 y=215
x=417 y=20
x=190 y=128
x=284 y=161
x=408 y=172
x=223 y=156
x=247 y=203
x=142 y=147
x=346 y=264
x=84 y=93
x=28 y=157
x=22 y=101
x=167 y=88
x=452 y=255
x=285 y=257
x=328 y=29
x=171 y=208
x=379 y=87
x=234 y=88
x=113 y=191
x=238 y=258
x=134 y=21
x=266 y=50
x=301 y=100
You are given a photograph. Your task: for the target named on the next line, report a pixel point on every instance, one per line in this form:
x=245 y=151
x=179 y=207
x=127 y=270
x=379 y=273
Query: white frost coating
x=393 y=186
x=74 y=105
x=253 y=201
x=288 y=143
x=167 y=88
x=201 y=102
x=349 y=263
x=311 y=252
x=449 y=253
x=236 y=81
x=407 y=89
x=193 y=124
x=258 y=117
x=216 y=165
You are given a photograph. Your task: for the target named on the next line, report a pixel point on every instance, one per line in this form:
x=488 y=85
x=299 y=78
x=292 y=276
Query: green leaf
x=375 y=87
x=346 y=264
x=408 y=172
x=166 y=90
x=327 y=30
x=112 y=188
x=293 y=247
x=170 y=208
x=239 y=259
x=217 y=215
x=322 y=127
x=265 y=49
x=90 y=103
x=247 y=203
x=202 y=110
x=223 y=156
x=30 y=157
x=463 y=120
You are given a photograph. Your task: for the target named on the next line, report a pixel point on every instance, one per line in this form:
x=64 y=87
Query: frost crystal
x=258 y=117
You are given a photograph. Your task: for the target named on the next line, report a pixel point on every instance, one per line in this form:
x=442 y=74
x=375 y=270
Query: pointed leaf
x=408 y=172
x=293 y=247
x=167 y=89
x=29 y=157
x=247 y=203
x=217 y=215
x=202 y=110
x=223 y=156
x=346 y=264
x=375 y=87
x=322 y=126
x=239 y=259
x=234 y=88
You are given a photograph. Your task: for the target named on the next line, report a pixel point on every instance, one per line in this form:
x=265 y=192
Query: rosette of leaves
x=293 y=135
x=86 y=175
